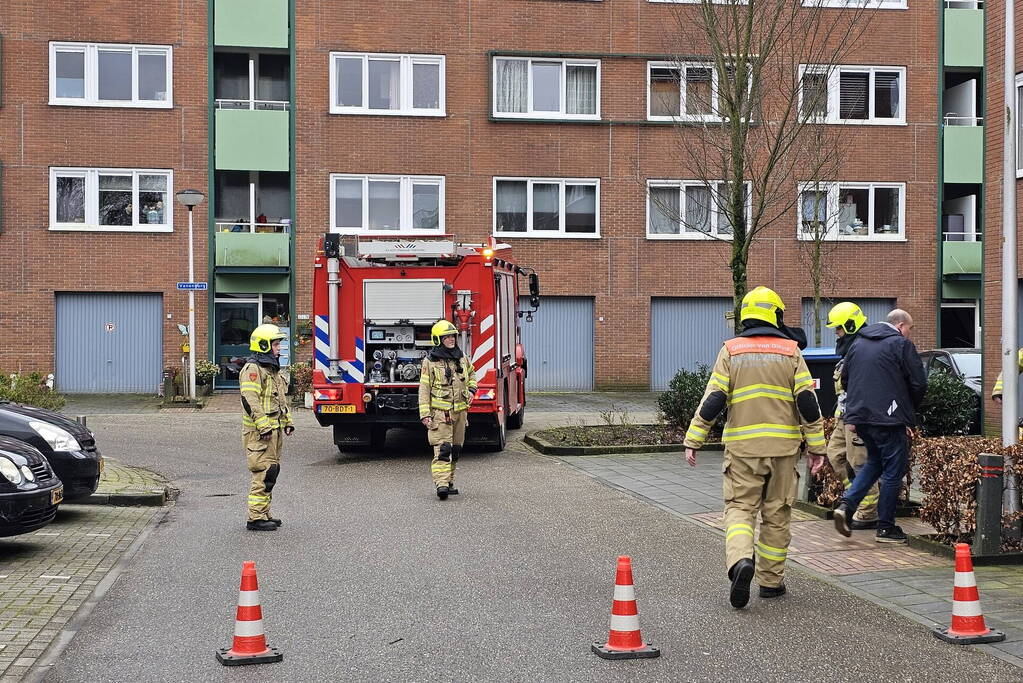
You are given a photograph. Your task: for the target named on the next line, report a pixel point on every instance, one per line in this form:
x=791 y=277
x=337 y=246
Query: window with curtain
x=546 y=88
x=852 y=211
x=687 y=91
x=546 y=207
x=665 y=94
x=687 y=209
x=390 y=84
x=664 y=210
x=385 y=203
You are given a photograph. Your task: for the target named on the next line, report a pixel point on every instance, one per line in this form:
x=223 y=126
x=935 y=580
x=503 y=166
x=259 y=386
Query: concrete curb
x=547 y=448
x=153 y=498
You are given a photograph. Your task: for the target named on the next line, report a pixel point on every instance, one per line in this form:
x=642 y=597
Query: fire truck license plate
x=56 y=495
x=337 y=409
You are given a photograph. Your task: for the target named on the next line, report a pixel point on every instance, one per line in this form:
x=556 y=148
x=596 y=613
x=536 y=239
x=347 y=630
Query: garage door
x=109 y=343
x=559 y=344
x=685 y=333
x=876 y=311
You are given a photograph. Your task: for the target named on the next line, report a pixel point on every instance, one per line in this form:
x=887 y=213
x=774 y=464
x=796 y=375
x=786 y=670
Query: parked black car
x=964 y=365
x=68 y=446
x=29 y=490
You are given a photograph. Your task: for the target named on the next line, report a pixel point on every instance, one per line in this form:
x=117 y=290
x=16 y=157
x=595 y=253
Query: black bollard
x=988 y=537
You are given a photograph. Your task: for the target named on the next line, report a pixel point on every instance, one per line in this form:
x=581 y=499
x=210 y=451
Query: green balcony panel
x=960 y=259
x=252 y=284
x=252 y=140
x=964 y=37
x=250 y=23
x=963 y=154
x=252 y=250
x=960 y=289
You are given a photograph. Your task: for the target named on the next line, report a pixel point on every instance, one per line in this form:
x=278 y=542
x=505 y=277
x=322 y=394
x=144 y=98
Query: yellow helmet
x=1020 y=359
x=442 y=328
x=263 y=336
x=761 y=304
x=848 y=316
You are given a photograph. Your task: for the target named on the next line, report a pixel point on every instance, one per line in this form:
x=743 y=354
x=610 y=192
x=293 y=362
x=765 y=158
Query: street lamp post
x=191 y=199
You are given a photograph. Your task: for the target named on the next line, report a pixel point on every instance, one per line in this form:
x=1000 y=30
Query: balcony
x=250 y=23
x=247 y=252
x=963 y=149
x=964 y=33
x=256 y=137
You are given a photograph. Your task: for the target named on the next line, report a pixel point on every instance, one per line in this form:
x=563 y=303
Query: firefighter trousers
x=766 y=486
x=264 y=458
x=446 y=434
x=846 y=453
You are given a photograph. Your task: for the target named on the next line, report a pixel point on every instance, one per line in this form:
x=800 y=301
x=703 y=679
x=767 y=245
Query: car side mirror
x=534 y=289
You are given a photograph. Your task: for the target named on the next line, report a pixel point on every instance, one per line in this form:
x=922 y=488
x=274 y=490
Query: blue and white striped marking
x=355 y=370
x=351 y=371
x=321 y=351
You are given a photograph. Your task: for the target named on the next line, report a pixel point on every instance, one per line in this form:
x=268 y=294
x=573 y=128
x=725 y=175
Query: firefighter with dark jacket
x=266 y=418
x=447 y=384
x=846 y=451
x=761 y=378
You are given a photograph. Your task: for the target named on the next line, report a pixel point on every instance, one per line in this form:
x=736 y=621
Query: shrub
x=301 y=378
x=949 y=406
x=31 y=390
x=679 y=403
x=206 y=371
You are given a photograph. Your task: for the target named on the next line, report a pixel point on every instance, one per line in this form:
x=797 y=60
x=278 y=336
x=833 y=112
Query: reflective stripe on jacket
x=760 y=379
x=264 y=398
x=441 y=390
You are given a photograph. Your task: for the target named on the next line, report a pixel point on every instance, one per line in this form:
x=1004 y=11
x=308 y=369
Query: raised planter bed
x=933 y=544
x=604 y=440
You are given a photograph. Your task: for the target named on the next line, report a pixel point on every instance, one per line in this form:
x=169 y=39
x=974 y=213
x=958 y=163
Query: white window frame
x=714 y=92
x=834 y=74
x=91 y=99
x=405 y=71
x=833 y=197
x=856 y=4
x=715 y=210
x=1019 y=125
x=531 y=114
x=697 y=2
x=91 y=176
x=549 y=234
x=404 y=203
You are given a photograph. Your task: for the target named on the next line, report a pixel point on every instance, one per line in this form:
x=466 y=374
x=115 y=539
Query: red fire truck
x=374 y=303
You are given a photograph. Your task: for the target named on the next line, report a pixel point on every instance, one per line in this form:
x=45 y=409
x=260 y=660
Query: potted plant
x=206 y=373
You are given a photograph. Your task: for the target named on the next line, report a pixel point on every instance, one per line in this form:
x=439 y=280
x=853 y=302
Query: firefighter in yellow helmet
x=266 y=417
x=996 y=391
x=761 y=378
x=447 y=385
x=846 y=451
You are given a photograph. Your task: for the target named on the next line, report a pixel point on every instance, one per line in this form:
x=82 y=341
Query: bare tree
x=749 y=115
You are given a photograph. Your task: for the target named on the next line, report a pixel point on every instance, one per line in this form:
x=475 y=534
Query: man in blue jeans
x=885 y=384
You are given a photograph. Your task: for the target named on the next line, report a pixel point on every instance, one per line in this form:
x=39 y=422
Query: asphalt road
x=373 y=579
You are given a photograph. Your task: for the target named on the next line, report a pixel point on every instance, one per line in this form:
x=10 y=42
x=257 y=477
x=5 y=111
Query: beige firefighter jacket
x=264 y=398
x=769 y=393
x=440 y=389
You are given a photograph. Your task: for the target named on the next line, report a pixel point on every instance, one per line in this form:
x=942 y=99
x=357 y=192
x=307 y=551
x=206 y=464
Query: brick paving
x=913 y=582
x=45 y=576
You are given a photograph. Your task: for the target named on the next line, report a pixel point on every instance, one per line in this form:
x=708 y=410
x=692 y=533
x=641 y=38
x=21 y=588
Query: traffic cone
x=249 y=641
x=624 y=640
x=968 y=626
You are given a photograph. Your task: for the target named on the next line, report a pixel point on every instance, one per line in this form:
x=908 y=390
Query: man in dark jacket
x=885 y=382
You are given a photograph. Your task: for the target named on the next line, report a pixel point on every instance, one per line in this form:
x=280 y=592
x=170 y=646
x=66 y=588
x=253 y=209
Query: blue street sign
x=192 y=285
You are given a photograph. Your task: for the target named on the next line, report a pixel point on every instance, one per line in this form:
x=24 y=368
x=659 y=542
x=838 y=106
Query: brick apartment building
x=525 y=119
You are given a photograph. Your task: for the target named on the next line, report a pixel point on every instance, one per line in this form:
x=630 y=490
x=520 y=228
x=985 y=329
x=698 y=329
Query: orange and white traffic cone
x=249 y=641
x=968 y=626
x=624 y=640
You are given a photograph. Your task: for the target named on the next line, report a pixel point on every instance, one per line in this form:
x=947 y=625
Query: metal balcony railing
x=252 y=227
x=961 y=237
x=953 y=119
x=260 y=105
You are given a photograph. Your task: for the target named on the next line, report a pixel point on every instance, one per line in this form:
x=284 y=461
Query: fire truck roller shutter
x=685 y=332
x=109 y=342
x=559 y=344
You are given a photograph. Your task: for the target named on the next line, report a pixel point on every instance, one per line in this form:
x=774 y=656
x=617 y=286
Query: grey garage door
x=875 y=309
x=685 y=333
x=109 y=343
x=559 y=344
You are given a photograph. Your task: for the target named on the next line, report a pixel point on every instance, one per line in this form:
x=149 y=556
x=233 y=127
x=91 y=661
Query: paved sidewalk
x=122 y=484
x=912 y=582
x=47 y=575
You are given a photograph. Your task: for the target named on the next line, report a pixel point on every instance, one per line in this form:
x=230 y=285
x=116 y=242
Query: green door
x=235 y=322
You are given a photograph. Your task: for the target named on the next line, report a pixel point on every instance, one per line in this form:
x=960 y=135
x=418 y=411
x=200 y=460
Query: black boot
x=452 y=491
x=442 y=492
x=741 y=575
x=772 y=591
x=276 y=521
x=261 y=525
x=841 y=518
